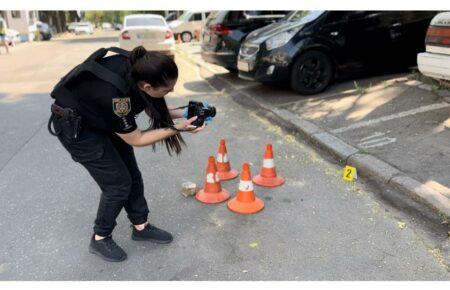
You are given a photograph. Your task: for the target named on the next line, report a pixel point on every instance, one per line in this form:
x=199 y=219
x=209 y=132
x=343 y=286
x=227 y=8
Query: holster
x=65 y=120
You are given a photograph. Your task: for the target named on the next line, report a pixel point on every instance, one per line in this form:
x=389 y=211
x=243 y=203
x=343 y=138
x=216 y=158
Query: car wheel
x=186 y=36
x=311 y=73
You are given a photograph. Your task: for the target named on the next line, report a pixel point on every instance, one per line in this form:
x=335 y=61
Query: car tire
x=311 y=73
x=186 y=36
x=232 y=69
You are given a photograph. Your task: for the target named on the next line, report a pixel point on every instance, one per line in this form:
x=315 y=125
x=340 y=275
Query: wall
x=24 y=22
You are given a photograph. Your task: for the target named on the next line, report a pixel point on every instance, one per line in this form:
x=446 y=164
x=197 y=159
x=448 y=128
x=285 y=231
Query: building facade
x=23 y=21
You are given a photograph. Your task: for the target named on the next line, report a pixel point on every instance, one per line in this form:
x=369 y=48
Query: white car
x=12 y=36
x=149 y=30
x=84 y=28
x=435 y=62
x=188 y=23
x=106 y=25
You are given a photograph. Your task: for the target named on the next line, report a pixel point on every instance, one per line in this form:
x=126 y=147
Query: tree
x=99 y=17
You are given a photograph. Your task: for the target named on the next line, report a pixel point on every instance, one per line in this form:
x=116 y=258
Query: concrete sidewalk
x=392 y=128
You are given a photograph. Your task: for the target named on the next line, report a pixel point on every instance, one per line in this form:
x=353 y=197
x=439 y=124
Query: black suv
x=224 y=31
x=310 y=49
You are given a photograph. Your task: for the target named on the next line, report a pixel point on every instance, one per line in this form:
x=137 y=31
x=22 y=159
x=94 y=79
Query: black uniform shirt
x=103 y=106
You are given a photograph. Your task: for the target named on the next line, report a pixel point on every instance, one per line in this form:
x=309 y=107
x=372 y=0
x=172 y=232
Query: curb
x=367 y=165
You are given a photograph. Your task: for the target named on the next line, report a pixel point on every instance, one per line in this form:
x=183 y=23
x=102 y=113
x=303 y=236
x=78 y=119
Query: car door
x=332 y=34
x=407 y=32
x=367 y=39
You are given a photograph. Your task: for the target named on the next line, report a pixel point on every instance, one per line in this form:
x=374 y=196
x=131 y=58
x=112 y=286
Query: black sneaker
x=107 y=249
x=151 y=233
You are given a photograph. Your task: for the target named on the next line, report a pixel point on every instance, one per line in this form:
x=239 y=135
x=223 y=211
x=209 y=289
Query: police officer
x=104 y=144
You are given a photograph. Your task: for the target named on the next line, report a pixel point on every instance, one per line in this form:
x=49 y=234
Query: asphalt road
x=315 y=227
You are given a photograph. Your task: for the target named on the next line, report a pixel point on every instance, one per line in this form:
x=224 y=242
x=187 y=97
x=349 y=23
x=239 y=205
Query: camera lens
x=212 y=111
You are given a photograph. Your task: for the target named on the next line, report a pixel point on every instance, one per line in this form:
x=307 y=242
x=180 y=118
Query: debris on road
x=188 y=189
x=401 y=225
x=253 y=245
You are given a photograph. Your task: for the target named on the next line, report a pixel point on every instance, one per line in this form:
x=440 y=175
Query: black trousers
x=112 y=164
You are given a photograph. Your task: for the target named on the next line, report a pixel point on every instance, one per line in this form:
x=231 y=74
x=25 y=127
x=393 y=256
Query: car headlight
x=280 y=39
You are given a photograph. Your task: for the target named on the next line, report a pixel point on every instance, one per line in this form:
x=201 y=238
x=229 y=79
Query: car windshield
x=303 y=16
x=144 y=21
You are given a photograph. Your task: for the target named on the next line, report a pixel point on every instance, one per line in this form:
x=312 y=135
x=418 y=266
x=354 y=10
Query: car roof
x=441 y=19
x=195 y=11
x=144 y=15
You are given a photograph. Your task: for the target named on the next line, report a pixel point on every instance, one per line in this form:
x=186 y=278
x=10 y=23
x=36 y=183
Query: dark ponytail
x=158 y=70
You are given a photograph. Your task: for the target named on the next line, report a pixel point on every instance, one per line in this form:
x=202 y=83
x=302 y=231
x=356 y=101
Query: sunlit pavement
x=315 y=227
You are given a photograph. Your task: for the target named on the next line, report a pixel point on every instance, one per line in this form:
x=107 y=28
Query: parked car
x=71 y=26
x=45 y=32
x=148 y=30
x=84 y=28
x=118 y=26
x=309 y=50
x=225 y=30
x=171 y=17
x=435 y=62
x=107 y=26
x=188 y=23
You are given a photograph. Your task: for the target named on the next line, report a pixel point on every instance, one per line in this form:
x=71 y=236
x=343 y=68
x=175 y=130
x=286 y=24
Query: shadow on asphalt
x=197 y=86
x=88 y=40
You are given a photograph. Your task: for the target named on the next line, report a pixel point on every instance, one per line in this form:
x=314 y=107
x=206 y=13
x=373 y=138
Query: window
x=196 y=17
x=15 y=14
x=337 y=17
x=235 y=17
x=144 y=21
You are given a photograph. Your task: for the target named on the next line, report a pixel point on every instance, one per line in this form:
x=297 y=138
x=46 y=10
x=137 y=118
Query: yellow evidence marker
x=349 y=173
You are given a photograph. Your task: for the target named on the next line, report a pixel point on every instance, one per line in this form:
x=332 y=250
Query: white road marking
x=377 y=142
x=376 y=134
x=392 y=117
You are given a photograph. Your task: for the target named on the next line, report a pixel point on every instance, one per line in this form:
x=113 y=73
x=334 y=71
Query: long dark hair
x=158 y=70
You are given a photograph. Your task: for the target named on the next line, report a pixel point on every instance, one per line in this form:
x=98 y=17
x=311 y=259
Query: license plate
x=145 y=35
x=243 y=66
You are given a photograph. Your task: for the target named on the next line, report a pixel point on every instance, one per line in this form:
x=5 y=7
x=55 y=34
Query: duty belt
x=69 y=121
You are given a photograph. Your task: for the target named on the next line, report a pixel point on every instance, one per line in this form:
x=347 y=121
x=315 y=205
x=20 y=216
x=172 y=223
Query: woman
x=3 y=35
x=104 y=146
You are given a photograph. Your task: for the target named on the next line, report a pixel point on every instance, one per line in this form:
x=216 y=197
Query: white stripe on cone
x=268 y=163
x=222 y=158
x=210 y=177
x=246 y=185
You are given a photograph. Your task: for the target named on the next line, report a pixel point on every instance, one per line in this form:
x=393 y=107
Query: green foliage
x=99 y=17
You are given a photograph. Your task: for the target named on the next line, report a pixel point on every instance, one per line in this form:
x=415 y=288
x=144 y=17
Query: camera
x=197 y=109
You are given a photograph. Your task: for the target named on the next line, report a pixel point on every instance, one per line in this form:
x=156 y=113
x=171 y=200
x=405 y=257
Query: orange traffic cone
x=212 y=192
x=268 y=174
x=245 y=201
x=223 y=164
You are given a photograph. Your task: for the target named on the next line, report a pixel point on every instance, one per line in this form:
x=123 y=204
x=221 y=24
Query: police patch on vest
x=121 y=106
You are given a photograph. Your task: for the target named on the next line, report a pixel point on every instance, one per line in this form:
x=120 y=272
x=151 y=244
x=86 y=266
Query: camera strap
x=177 y=108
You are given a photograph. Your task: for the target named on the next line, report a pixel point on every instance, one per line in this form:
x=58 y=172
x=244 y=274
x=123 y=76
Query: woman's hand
x=186 y=125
